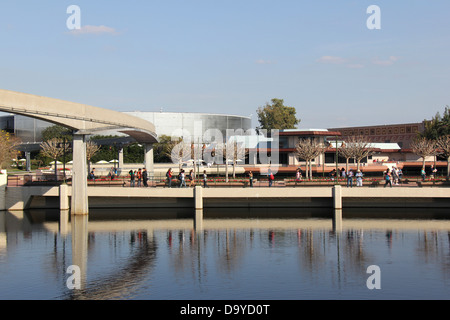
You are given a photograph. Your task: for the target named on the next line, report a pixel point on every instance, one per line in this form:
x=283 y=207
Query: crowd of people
x=139 y=178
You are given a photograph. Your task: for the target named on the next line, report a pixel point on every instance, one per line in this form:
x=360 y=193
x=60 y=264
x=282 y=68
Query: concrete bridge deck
x=19 y=198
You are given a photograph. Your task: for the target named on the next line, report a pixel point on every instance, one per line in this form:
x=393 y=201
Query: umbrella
x=70 y=162
x=57 y=162
x=102 y=162
x=22 y=160
x=114 y=161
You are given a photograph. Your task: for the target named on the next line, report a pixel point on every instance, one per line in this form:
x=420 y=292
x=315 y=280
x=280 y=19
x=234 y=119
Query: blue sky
x=235 y=56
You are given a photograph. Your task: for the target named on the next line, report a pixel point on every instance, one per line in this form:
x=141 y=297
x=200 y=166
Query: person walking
x=205 y=185
x=387 y=178
x=298 y=175
x=145 y=177
x=250 y=178
x=169 y=177
x=131 y=173
x=350 y=178
x=359 y=178
x=191 y=178
x=182 y=179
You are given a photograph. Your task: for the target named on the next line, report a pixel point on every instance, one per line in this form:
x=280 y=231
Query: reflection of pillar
x=337 y=220
x=64 y=222
x=3 y=237
x=198 y=220
x=79 y=203
x=121 y=158
x=80 y=245
x=148 y=159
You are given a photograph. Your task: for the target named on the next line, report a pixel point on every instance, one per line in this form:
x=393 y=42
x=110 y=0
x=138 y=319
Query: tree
x=308 y=150
x=8 y=144
x=424 y=147
x=347 y=152
x=277 y=116
x=53 y=149
x=180 y=152
x=163 y=148
x=57 y=131
x=359 y=148
x=437 y=126
x=443 y=145
x=232 y=151
x=91 y=149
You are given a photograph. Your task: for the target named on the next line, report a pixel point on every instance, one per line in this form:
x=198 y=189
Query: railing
x=260 y=181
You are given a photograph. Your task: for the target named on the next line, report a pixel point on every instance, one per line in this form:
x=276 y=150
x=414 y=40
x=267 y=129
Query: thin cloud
x=389 y=62
x=341 y=61
x=331 y=59
x=95 y=30
x=262 y=61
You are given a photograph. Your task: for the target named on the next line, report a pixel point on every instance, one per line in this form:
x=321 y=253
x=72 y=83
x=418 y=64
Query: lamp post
x=337 y=158
x=64 y=160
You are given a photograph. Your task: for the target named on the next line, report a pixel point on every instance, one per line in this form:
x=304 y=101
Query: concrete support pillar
x=64 y=197
x=121 y=158
x=79 y=203
x=198 y=197
x=28 y=161
x=3 y=183
x=148 y=160
x=337 y=197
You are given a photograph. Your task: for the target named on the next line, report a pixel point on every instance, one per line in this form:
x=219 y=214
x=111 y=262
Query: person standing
x=132 y=176
x=400 y=175
x=139 y=177
x=169 y=177
x=191 y=178
x=298 y=175
x=145 y=177
x=250 y=177
x=271 y=177
x=359 y=178
x=93 y=174
x=395 y=176
x=423 y=174
x=350 y=178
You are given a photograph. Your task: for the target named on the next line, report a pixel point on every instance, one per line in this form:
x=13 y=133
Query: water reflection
x=273 y=257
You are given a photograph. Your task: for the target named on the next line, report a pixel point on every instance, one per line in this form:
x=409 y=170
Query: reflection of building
x=402 y=134
x=166 y=123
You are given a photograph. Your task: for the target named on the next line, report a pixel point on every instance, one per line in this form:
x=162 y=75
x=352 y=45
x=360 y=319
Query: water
x=241 y=257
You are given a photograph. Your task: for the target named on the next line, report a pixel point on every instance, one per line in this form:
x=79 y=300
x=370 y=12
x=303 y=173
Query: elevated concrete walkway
x=19 y=198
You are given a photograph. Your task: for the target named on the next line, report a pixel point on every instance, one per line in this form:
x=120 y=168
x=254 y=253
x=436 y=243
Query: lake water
x=276 y=255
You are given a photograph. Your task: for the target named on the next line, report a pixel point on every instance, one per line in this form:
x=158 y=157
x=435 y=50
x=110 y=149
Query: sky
x=234 y=56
